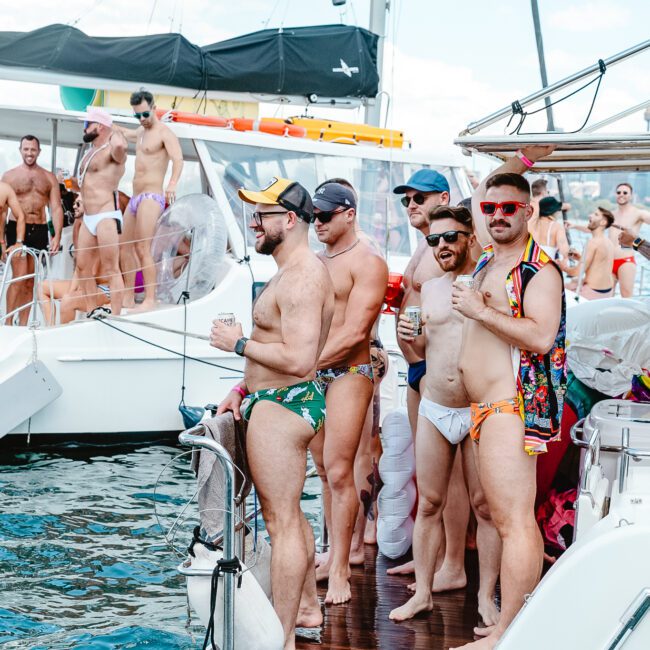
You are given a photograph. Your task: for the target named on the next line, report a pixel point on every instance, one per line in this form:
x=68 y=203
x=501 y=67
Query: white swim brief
x=453 y=423
x=91 y=220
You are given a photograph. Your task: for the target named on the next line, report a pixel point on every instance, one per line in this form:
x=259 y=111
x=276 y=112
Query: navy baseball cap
x=334 y=195
x=424 y=180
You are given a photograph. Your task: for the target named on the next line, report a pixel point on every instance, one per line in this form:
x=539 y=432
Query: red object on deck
x=548 y=463
x=394 y=293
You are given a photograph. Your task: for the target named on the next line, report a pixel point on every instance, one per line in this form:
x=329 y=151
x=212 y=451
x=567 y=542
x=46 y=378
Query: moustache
x=503 y=224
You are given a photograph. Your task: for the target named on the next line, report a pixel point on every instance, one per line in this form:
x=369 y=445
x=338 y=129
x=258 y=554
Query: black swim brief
x=36 y=235
x=416 y=371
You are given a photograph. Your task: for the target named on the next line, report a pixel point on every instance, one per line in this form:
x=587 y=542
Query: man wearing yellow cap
x=284 y=406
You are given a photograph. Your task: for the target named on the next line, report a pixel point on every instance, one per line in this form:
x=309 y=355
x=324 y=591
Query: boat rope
x=517 y=109
x=233 y=566
x=101 y=316
x=184 y=296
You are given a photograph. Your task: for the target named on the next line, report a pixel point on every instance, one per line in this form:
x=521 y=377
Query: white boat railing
x=195 y=437
x=36 y=275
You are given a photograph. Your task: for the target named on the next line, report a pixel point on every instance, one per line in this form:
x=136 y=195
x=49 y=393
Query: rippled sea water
x=83 y=561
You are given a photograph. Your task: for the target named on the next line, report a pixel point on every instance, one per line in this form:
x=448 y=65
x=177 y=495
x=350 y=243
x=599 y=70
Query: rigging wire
x=268 y=20
x=153 y=9
x=83 y=15
x=518 y=110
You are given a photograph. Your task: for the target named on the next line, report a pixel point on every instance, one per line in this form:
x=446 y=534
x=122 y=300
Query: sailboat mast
x=377 y=25
x=542 y=63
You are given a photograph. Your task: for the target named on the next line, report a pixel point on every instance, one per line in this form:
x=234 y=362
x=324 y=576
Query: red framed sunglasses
x=508 y=208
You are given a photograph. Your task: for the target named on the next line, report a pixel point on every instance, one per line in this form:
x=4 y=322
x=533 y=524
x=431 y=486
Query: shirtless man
x=517 y=315
x=155 y=146
x=285 y=406
x=100 y=172
x=598 y=258
x=8 y=200
x=627 y=216
x=36 y=189
x=366 y=463
x=424 y=191
x=443 y=419
x=359 y=275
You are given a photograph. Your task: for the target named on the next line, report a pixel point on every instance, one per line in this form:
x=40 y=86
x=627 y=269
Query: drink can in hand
x=467 y=280
x=414 y=315
x=227 y=318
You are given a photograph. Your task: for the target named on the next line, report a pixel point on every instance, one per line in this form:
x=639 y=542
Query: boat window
x=380 y=213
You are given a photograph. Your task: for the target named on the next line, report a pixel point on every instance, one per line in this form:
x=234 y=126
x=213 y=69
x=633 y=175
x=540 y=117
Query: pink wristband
x=529 y=163
x=238 y=389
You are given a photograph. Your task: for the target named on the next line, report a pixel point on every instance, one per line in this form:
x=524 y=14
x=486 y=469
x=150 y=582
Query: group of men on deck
x=114 y=233
x=486 y=384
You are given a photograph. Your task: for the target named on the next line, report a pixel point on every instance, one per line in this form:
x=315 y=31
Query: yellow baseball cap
x=281 y=191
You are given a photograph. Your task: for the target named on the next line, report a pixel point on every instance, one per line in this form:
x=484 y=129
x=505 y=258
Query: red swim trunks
x=623 y=260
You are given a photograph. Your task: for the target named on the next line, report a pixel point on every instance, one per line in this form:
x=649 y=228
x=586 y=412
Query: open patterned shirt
x=541 y=380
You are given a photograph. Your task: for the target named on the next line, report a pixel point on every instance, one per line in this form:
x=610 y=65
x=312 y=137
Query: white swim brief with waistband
x=91 y=220
x=453 y=423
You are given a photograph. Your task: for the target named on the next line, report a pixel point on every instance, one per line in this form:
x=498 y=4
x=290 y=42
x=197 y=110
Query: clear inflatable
x=188 y=247
x=609 y=343
x=397 y=496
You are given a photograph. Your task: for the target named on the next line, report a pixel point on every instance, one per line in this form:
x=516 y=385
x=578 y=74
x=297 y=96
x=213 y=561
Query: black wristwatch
x=240 y=345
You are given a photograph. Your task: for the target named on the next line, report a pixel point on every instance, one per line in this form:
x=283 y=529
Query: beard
x=89 y=137
x=270 y=243
x=454 y=263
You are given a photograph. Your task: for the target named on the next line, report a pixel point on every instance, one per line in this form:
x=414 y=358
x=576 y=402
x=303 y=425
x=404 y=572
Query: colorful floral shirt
x=541 y=380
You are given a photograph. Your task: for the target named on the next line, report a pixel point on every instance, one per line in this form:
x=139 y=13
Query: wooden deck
x=363 y=623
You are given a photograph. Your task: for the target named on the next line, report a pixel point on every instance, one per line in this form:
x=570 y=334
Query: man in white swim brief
x=100 y=172
x=442 y=427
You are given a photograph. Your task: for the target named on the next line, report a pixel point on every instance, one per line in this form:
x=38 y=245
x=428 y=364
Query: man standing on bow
x=284 y=406
x=155 y=146
x=359 y=275
x=100 y=172
x=36 y=189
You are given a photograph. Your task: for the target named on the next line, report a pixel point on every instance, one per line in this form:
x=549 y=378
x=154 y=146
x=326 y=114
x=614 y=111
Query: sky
x=445 y=63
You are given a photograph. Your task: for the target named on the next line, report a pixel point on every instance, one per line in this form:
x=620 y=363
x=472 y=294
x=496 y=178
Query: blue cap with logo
x=424 y=180
x=334 y=195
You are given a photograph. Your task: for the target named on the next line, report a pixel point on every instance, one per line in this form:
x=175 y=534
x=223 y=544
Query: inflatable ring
x=188 y=247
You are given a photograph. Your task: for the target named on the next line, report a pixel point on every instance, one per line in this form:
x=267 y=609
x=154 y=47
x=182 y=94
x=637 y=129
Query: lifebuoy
x=269 y=125
x=193 y=118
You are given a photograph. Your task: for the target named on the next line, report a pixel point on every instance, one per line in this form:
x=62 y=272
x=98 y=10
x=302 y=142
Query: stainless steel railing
x=33 y=305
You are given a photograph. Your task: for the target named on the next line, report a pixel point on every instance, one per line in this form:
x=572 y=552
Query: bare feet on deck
x=357 y=558
x=338 y=590
x=370 y=534
x=444 y=580
x=309 y=615
x=488 y=611
x=411 y=608
x=147 y=305
x=488 y=643
x=402 y=570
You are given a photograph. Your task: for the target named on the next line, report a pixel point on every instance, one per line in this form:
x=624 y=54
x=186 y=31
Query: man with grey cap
x=100 y=172
x=359 y=274
x=283 y=404
x=425 y=190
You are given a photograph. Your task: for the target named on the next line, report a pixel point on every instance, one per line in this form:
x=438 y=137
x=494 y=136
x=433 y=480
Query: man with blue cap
x=425 y=190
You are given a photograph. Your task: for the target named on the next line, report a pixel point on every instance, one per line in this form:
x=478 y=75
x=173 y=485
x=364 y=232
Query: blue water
x=83 y=563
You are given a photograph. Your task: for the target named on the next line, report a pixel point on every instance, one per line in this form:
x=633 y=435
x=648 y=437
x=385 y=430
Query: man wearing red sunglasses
x=514 y=371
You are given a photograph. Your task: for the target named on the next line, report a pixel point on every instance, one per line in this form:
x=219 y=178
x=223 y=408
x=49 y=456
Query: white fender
x=397 y=496
x=257 y=626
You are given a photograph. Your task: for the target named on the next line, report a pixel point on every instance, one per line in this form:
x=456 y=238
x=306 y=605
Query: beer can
x=227 y=318
x=414 y=315
x=467 y=280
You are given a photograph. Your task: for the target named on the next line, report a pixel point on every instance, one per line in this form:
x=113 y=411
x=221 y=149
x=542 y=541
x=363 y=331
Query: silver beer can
x=414 y=315
x=227 y=318
x=467 y=280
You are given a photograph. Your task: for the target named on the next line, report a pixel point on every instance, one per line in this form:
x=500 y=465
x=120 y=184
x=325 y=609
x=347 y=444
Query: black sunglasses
x=451 y=236
x=144 y=114
x=417 y=198
x=258 y=216
x=326 y=217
